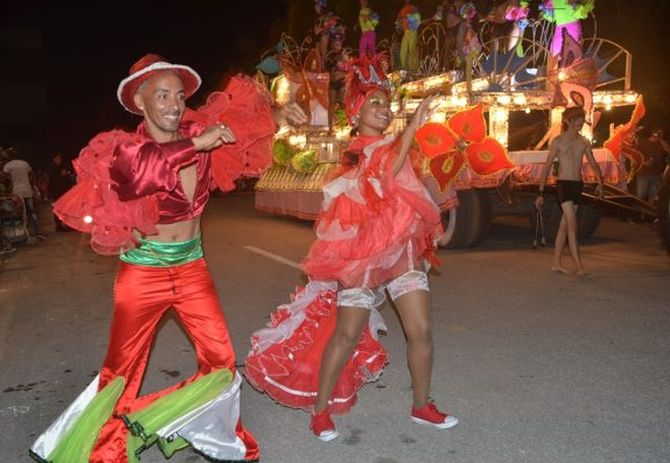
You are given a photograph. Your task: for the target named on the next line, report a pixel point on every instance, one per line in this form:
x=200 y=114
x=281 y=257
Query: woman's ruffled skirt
x=285 y=357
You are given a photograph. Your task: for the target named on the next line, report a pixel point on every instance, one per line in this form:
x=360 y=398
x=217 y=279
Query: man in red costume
x=142 y=195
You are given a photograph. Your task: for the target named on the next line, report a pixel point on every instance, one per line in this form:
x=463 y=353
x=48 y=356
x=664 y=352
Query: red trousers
x=142 y=296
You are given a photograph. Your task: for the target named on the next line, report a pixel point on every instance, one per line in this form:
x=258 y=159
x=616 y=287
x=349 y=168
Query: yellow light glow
x=630 y=98
x=435 y=81
x=282 y=90
x=439 y=117
x=342 y=133
x=504 y=100
x=430 y=83
x=298 y=140
x=411 y=105
x=520 y=100
x=499 y=124
x=480 y=84
x=283 y=131
x=527 y=110
x=562 y=75
x=88 y=219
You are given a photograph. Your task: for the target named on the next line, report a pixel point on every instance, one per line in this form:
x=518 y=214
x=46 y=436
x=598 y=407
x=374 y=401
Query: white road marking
x=274 y=257
x=15 y=410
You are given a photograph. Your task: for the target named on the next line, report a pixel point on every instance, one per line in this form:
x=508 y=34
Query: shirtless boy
x=569 y=148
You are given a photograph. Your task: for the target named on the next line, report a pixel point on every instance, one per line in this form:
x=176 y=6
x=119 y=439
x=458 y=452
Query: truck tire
x=588 y=219
x=468 y=224
x=485 y=216
x=588 y=216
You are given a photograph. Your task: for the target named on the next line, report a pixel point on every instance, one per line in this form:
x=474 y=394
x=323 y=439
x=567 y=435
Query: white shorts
x=366 y=298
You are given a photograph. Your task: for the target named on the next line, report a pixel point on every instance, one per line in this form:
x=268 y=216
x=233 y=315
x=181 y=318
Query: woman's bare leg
x=414 y=310
x=350 y=324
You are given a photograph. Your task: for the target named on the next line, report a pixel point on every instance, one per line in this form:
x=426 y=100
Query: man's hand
x=290 y=113
x=213 y=137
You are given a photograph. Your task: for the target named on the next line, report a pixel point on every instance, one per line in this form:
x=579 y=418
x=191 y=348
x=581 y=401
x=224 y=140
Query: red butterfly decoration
x=460 y=142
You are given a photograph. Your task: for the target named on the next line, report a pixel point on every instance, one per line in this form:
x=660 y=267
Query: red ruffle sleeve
x=246 y=107
x=93 y=205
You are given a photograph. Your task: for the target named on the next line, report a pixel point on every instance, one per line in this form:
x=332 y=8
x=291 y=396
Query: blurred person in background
x=655 y=152
x=5 y=190
x=23 y=186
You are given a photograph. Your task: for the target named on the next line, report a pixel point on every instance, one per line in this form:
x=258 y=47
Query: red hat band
x=145 y=68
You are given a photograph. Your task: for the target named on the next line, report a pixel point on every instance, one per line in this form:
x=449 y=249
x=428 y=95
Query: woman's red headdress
x=365 y=76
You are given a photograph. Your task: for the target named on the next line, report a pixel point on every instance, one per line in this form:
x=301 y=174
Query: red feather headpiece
x=365 y=75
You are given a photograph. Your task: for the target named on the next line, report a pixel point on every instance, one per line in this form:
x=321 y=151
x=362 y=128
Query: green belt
x=157 y=254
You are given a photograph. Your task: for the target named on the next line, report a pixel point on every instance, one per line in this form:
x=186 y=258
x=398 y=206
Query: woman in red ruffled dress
x=376 y=233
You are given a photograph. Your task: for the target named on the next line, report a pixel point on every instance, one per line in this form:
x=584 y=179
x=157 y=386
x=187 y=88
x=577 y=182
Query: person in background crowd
x=24 y=186
x=336 y=66
x=409 y=19
x=655 y=152
x=328 y=29
x=5 y=189
x=368 y=20
x=570 y=148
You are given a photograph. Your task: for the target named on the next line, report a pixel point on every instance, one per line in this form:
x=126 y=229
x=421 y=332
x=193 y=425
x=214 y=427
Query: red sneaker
x=323 y=427
x=430 y=415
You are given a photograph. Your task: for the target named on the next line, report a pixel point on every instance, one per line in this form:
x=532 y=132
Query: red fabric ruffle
x=92 y=206
x=288 y=371
x=385 y=224
x=246 y=108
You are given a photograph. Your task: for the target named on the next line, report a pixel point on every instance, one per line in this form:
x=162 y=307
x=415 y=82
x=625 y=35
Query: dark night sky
x=87 y=50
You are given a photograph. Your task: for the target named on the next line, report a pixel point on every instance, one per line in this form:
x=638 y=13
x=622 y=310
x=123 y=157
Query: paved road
x=539 y=367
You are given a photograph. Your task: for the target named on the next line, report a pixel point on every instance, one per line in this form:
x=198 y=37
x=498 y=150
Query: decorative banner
x=488 y=157
x=310 y=90
x=446 y=167
x=435 y=139
x=469 y=124
x=634 y=156
x=459 y=142
x=623 y=132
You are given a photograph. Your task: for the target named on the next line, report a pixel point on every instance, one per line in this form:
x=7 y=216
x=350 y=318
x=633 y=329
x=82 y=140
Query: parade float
x=502 y=77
